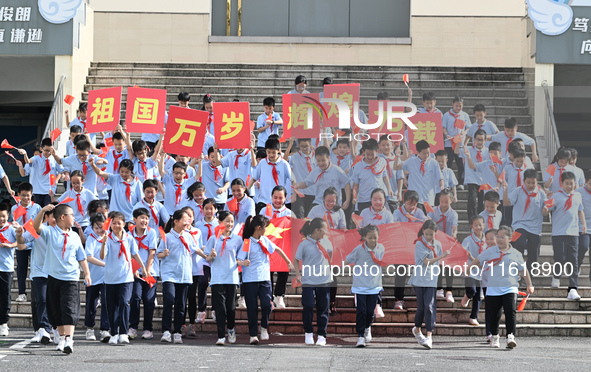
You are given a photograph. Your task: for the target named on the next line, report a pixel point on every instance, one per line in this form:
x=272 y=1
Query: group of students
x=208 y=234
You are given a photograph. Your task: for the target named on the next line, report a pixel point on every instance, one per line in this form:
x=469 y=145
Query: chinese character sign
x=348 y=93
x=429 y=128
x=145 y=111
x=305 y=115
x=286 y=103
x=398 y=126
x=232 y=125
x=185 y=131
x=104 y=109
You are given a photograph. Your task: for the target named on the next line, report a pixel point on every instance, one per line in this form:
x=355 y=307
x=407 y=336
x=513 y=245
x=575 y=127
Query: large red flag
x=279 y=232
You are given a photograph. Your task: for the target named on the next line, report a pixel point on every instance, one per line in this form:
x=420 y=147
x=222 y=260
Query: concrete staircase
x=503 y=91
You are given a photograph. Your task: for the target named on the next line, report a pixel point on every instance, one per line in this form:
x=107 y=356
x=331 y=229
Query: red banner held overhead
x=232 y=129
x=146 y=109
x=348 y=93
x=104 y=110
x=286 y=104
x=185 y=131
x=398 y=127
x=429 y=128
x=303 y=105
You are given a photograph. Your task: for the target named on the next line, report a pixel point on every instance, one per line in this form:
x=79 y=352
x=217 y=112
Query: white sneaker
x=473 y=322
x=555 y=283
x=4 y=329
x=254 y=340
x=360 y=342
x=212 y=316
x=495 y=341
x=309 y=339
x=399 y=305
x=427 y=343
x=573 y=295
x=45 y=336
x=90 y=334
x=191 y=331
x=21 y=298
x=419 y=335
x=449 y=297
x=321 y=341
x=68 y=345
x=440 y=294
x=201 y=317
x=132 y=333
x=511 y=341
x=232 y=335
x=279 y=302
x=481 y=295
x=166 y=337
x=379 y=313
x=56 y=336
x=123 y=339
x=460 y=187
x=367 y=335
x=105 y=336
x=264 y=334
x=221 y=341
x=488 y=338
x=113 y=340
x=465 y=301
x=241 y=302
x=61 y=343
x=37 y=337
x=147 y=335
x=178 y=339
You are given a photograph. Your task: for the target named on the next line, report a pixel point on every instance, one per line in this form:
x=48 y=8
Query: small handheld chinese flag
x=551 y=169
x=495 y=159
x=55 y=134
x=108 y=142
x=460 y=124
x=218 y=230
x=6 y=145
x=269 y=211
x=67 y=200
x=298 y=192
x=52 y=179
x=522 y=303
x=485 y=187
x=162 y=233
x=232 y=205
x=29 y=227
x=107 y=224
x=549 y=203
x=357 y=219
x=150 y=280
x=69 y=99
x=428 y=208
x=406 y=79
x=135 y=266
x=19 y=212
x=358 y=158
x=246 y=245
x=295 y=283
x=131 y=228
x=515 y=236
x=17 y=199
x=502 y=176
x=104 y=151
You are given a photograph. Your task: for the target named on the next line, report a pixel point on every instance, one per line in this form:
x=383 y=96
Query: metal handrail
x=551 y=132
x=55 y=120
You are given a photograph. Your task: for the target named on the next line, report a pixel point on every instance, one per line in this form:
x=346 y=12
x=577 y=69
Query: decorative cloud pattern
x=58 y=11
x=550 y=17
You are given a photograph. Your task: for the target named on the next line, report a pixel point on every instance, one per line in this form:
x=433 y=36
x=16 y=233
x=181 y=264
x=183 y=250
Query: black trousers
x=506 y=303
x=223 y=302
x=281 y=283
x=5 y=301
x=451 y=156
x=475 y=200
x=22 y=262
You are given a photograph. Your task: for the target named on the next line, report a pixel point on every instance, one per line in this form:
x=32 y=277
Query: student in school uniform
x=455 y=122
x=481 y=123
x=120 y=151
x=509 y=134
x=474 y=244
x=367 y=283
x=369 y=174
x=502 y=285
x=270 y=172
x=302 y=163
x=377 y=213
x=394 y=158
x=300 y=85
x=449 y=178
x=579 y=173
x=127 y=188
x=42 y=167
x=215 y=179
x=75 y=131
x=478 y=153
x=423 y=173
x=268 y=123
x=158 y=214
x=195 y=197
x=528 y=215
x=585 y=238
x=341 y=154
x=8 y=245
x=96 y=266
x=81 y=162
x=315 y=254
x=65 y=255
x=117 y=251
x=239 y=163
x=559 y=165
x=256 y=275
x=567 y=213
x=174 y=252
x=176 y=184
x=324 y=175
x=197 y=297
x=491 y=214
x=244 y=204
x=429 y=103
x=329 y=210
x=146 y=168
x=221 y=254
x=80 y=198
x=514 y=180
x=80 y=120
x=428 y=253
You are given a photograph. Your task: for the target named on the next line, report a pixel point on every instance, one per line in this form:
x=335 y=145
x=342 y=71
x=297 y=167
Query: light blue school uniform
x=566 y=222
x=400 y=215
x=488 y=176
x=370 y=216
x=393 y=176
x=531 y=219
x=499 y=280
x=488 y=126
x=449 y=180
x=176 y=267
x=197 y=209
x=264 y=135
x=171 y=203
x=241 y=169
x=276 y=213
x=151 y=167
x=224 y=269
x=197 y=241
x=59 y=263
x=423 y=275
x=117 y=265
x=93 y=249
x=159 y=211
x=496 y=219
x=37 y=255
x=86 y=196
x=32 y=210
x=555 y=186
x=471 y=176
x=70 y=148
x=209 y=142
x=321 y=180
x=119 y=200
x=264 y=173
x=448 y=122
x=146 y=243
x=7 y=254
x=207 y=229
x=368 y=179
x=579 y=176
x=82 y=123
x=338 y=218
x=40 y=181
x=315 y=266
x=299 y=167
x=514 y=175
x=363 y=281
x=445 y=221
x=423 y=184
x=475 y=247
x=502 y=138
x=246 y=207
x=212 y=183
x=345 y=163
x=586 y=200
x=111 y=159
x=259 y=269
x=72 y=163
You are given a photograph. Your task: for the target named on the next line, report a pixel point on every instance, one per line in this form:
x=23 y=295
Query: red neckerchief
x=322 y=173
x=275 y=174
x=182 y=239
x=442 y=219
x=140 y=239
x=376 y=215
x=410 y=216
x=373 y=167
x=479 y=243
x=238 y=156
x=151 y=207
x=178 y=194
x=508 y=142
x=478 y=154
x=569 y=201
x=328 y=219
x=308 y=162
x=224 y=244
x=193 y=233
x=84 y=168
x=79 y=204
x=116 y=161
x=519 y=170
x=122 y=249
x=127 y=190
x=144 y=169
x=320 y=248
x=431 y=247
x=263 y=248
x=373 y=256
x=216 y=172
x=209 y=231
x=2 y=237
x=388 y=160
x=495 y=261
x=491 y=224
x=532 y=195
x=47 y=166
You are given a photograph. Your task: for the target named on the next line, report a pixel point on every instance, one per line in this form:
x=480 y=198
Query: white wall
x=152 y=6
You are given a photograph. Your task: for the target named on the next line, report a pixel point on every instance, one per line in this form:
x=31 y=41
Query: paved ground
x=288 y=353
